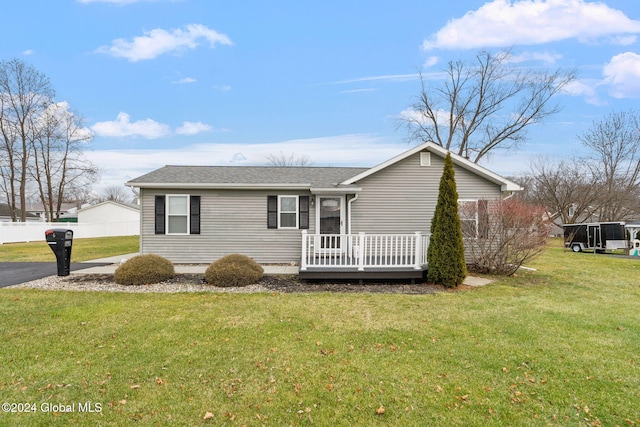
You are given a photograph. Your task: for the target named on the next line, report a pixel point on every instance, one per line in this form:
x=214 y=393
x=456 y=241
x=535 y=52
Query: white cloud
x=502 y=23
x=622 y=74
x=547 y=57
x=586 y=89
x=185 y=80
x=359 y=90
x=159 y=41
x=123 y=127
x=431 y=61
x=390 y=77
x=63 y=114
x=193 y=128
x=28 y=52
x=442 y=117
x=119 y=166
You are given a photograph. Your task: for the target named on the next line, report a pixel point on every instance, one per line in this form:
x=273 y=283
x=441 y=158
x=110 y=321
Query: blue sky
x=228 y=83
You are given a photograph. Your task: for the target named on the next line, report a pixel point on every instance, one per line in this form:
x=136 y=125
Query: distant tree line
x=41 y=144
x=601 y=184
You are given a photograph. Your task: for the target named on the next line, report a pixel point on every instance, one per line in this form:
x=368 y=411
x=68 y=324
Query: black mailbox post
x=60 y=242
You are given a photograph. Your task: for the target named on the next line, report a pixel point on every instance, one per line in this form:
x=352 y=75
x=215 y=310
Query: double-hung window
x=288 y=212
x=474 y=218
x=177 y=214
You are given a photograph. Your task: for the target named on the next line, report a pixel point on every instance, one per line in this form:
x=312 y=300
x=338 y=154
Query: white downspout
x=349 y=213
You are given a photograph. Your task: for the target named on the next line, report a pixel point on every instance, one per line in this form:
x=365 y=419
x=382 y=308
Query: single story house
x=343 y=220
x=5 y=214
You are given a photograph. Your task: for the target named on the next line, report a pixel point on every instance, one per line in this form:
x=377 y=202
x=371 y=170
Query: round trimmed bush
x=144 y=270
x=233 y=270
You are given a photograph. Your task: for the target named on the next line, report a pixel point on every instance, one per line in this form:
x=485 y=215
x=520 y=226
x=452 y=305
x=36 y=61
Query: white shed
x=109 y=212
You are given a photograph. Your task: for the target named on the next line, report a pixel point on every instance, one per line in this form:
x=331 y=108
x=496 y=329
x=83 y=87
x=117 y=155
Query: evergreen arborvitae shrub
x=233 y=270
x=445 y=255
x=144 y=270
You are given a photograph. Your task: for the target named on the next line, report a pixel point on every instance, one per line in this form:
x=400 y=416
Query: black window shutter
x=272 y=211
x=483 y=219
x=194 y=212
x=159 y=215
x=303 y=211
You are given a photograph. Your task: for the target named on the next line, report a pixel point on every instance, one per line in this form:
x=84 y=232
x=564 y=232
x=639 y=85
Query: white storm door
x=330 y=220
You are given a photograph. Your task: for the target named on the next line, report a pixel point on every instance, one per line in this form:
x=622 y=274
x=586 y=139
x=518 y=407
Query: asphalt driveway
x=13 y=273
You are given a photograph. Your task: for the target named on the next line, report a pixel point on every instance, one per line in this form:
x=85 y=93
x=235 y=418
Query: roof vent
x=425 y=158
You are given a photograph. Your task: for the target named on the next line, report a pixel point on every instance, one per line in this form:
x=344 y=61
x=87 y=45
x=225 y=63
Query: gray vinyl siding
x=402 y=197
x=398 y=199
x=231 y=221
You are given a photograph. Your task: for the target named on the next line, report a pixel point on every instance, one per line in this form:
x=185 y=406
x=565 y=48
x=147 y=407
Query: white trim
x=342 y=210
x=296 y=212
x=425 y=158
x=213 y=186
x=476 y=219
x=505 y=184
x=335 y=190
x=188 y=214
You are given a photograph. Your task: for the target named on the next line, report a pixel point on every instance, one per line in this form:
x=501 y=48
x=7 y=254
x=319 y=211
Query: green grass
x=560 y=346
x=82 y=249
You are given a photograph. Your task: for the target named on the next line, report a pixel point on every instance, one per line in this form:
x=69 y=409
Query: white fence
x=14 y=232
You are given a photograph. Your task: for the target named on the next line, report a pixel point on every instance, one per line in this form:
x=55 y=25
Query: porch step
x=367 y=274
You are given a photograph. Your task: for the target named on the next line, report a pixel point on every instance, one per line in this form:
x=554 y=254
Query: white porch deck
x=355 y=255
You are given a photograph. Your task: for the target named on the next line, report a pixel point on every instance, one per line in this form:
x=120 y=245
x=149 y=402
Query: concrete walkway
x=114 y=262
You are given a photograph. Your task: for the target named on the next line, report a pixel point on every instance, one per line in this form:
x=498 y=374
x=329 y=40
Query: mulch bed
x=291 y=284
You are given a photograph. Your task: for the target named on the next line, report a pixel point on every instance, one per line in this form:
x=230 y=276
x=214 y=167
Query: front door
x=330 y=220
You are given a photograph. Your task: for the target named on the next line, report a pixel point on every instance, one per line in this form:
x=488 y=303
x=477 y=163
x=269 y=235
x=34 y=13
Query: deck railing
x=361 y=251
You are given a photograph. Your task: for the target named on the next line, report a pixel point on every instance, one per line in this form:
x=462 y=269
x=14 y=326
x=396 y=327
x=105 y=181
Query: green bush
x=143 y=270
x=233 y=270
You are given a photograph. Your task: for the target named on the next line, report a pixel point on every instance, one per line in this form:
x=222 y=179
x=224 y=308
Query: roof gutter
x=335 y=190
x=219 y=186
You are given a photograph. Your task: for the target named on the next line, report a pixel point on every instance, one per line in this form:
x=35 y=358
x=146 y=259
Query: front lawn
x=560 y=346
x=82 y=249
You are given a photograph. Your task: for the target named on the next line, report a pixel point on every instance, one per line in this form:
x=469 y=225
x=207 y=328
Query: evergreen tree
x=445 y=256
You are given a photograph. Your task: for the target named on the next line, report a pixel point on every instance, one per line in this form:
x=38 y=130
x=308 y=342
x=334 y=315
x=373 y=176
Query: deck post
x=303 y=260
x=361 y=251
x=418 y=251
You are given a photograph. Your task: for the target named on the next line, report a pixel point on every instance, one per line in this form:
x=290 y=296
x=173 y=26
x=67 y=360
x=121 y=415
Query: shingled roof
x=245 y=177
x=303 y=177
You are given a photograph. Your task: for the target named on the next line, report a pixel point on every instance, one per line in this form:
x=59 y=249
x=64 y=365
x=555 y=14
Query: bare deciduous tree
x=614 y=144
x=116 y=193
x=291 y=160
x=59 y=161
x=603 y=184
x=41 y=142
x=25 y=94
x=567 y=189
x=484 y=105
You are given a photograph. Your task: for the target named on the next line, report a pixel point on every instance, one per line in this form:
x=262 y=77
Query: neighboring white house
x=109 y=211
